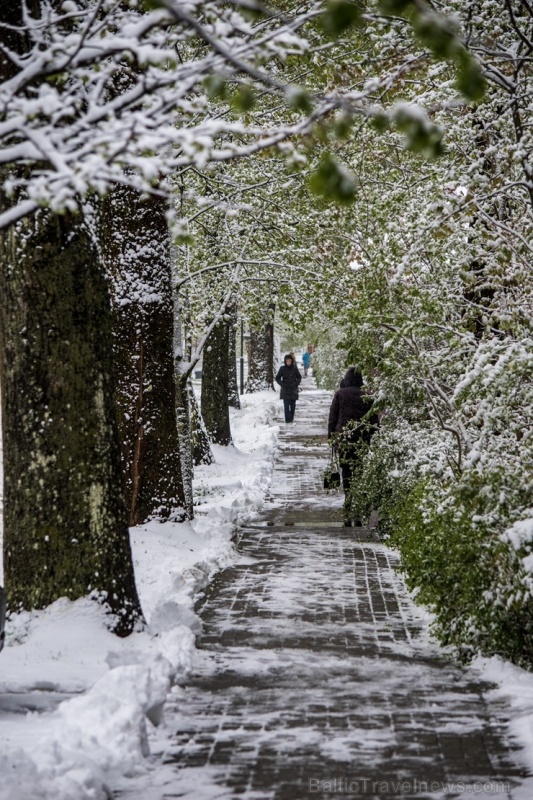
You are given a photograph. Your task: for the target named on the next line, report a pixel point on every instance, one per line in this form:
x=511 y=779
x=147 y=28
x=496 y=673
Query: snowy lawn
x=97 y=700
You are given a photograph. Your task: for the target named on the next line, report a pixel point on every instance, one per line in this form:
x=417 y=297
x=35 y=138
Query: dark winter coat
x=349 y=404
x=289 y=378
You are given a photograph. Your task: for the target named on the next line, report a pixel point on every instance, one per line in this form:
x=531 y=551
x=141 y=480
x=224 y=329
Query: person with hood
x=349 y=405
x=289 y=379
x=306 y=361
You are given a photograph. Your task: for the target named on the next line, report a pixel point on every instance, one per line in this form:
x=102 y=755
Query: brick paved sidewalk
x=317 y=679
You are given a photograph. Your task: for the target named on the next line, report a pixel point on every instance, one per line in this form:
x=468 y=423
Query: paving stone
x=317 y=678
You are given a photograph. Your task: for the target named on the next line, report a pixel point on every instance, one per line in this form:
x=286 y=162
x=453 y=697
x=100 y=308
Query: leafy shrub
x=454 y=550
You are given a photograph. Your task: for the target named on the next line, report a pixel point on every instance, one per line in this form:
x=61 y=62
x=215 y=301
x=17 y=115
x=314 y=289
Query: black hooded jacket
x=289 y=379
x=349 y=404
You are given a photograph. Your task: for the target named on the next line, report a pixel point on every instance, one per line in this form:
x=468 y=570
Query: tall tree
x=215 y=383
x=135 y=243
x=65 y=522
x=201 y=447
x=261 y=354
x=233 y=386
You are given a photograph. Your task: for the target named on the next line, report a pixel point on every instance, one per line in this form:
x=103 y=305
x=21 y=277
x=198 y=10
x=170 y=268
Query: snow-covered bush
x=439 y=313
x=472 y=574
x=329 y=359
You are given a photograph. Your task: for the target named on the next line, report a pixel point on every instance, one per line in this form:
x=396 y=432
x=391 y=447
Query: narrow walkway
x=316 y=678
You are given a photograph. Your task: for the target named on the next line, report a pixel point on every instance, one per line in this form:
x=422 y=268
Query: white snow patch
x=514 y=686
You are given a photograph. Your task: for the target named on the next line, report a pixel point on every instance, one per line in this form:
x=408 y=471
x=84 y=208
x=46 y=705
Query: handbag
x=332 y=473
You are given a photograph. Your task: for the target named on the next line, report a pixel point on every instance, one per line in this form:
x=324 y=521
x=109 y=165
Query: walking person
x=306 y=360
x=349 y=405
x=289 y=379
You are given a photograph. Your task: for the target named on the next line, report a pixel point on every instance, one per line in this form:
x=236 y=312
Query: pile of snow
x=514 y=687
x=116 y=689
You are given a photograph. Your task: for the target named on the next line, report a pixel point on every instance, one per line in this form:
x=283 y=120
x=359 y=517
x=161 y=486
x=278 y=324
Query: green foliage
x=441 y=36
x=342 y=126
x=394 y=6
x=244 y=98
x=473 y=579
x=329 y=358
x=215 y=87
x=437 y=34
x=438 y=311
x=470 y=79
x=340 y=15
x=150 y=5
x=421 y=136
x=299 y=99
x=380 y=122
x=332 y=180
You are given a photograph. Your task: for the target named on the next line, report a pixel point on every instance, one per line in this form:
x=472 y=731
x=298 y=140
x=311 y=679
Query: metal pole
x=242 y=356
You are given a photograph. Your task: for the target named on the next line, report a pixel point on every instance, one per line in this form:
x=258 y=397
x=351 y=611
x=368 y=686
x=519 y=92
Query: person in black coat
x=289 y=379
x=350 y=405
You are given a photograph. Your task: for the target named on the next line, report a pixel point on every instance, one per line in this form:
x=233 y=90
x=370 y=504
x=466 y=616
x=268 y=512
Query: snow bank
x=513 y=686
x=116 y=689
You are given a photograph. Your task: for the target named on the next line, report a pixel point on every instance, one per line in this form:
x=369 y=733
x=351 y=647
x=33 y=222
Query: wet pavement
x=317 y=678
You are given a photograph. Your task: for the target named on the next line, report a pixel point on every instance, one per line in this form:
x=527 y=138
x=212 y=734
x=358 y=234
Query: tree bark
x=234 y=400
x=136 y=250
x=214 y=398
x=183 y=417
x=65 y=523
x=182 y=372
x=261 y=355
x=201 y=448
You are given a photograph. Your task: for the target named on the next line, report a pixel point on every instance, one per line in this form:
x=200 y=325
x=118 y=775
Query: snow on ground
x=95 y=701
x=79 y=708
x=514 y=686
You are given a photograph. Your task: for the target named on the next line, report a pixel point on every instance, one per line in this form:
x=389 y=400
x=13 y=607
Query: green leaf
x=183 y=238
x=321 y=131
x=381 y=123
x=332 y=180
x=421 y=136
x=342 y=126
x=470 y=79
x=153 y=5
x=340 y=15
x=299 y=99
x=394 y=6
x=215 y=86
x=244 y=99
x=436 y=33
x=251 y=13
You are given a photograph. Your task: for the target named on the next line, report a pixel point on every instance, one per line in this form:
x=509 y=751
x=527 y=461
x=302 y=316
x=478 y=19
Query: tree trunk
x=182 y=371
x=136 y=249
x=214 y=399
x=234 y=400
x=65 y=523
x=201 y=448
x=183 y=418
x=261 y=356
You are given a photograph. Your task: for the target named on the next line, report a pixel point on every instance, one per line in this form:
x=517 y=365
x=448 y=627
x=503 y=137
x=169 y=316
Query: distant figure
x=349 y=405
x=289 y=379
x=306 y=360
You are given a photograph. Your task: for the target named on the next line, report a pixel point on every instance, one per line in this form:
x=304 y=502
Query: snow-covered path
x=316 y=676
